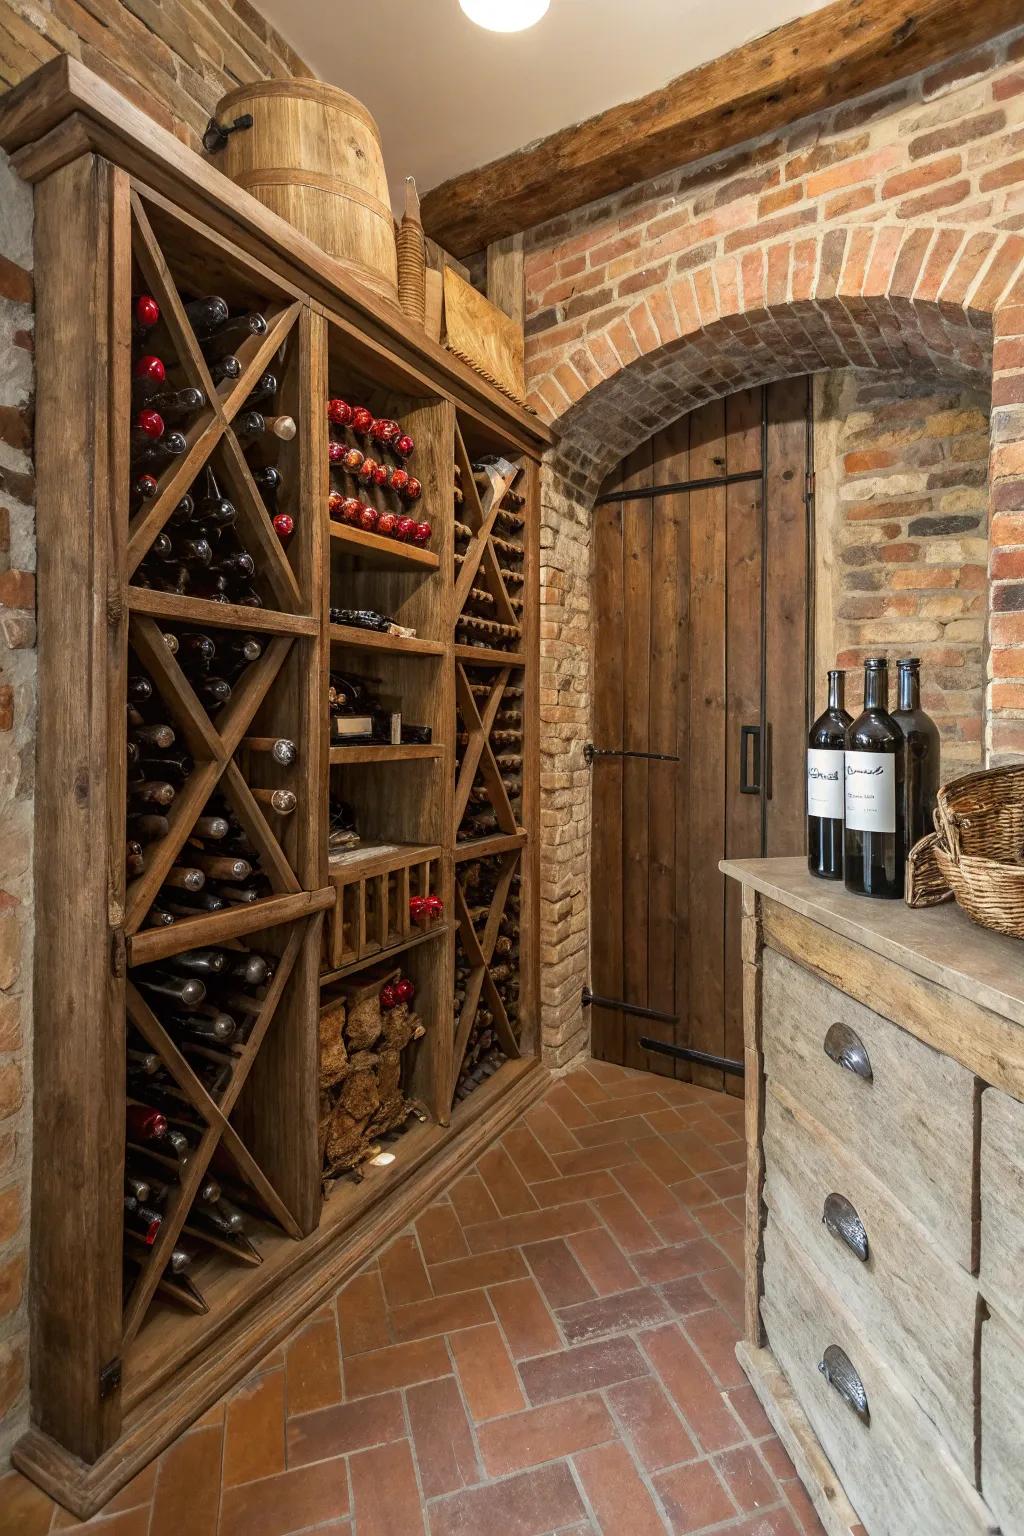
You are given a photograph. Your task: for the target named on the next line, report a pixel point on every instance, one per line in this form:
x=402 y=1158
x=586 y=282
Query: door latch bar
x=590 y=752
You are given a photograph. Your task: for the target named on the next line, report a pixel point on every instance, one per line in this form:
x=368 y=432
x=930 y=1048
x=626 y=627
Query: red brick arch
x=930 y=300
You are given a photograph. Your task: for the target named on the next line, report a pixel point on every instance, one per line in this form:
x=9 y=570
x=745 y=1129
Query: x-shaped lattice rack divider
x=479 y=754
x=480 y=560
x=218 y=1130
x=478 y=949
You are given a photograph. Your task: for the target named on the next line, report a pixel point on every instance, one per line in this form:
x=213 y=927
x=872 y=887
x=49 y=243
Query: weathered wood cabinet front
x=885 y=1204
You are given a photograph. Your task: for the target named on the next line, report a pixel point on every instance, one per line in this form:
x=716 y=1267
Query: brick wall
x=174 y=58
x=882 y=235
x=17 y=730
x=901 y=541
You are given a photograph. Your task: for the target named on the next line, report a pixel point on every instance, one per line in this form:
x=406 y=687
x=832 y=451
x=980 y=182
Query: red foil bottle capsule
x=147 y=312
x=389 y=995
x=362 y=420
x=377 y=429
x=418 y=909
x=144 y=488
x=422 y=533
x=151 y=423
x=340 y=412
x=435 y=907
x=368 y=519
x=386 y=524
x=405 y=528
x=413 y=490
x=380 y=475
x=403 y=445
x=399 y=480
x=336 y=452
x=150 y=368
x=335 y=502
x=352 y=459
x=367 y=471
x=284 y=525
x=351 y=509
x=405 y=989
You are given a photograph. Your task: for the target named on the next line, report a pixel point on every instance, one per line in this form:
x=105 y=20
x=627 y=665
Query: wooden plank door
x=702 y=618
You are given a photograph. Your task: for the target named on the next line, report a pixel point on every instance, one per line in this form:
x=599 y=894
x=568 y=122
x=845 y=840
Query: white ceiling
x=449 y=96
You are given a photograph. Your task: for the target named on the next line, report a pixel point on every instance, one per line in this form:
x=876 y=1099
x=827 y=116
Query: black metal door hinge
x=110 y=1378
x=590 y=752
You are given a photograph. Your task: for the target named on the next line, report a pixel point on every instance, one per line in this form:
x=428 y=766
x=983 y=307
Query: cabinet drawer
x=893 y=1465
x=917 y=1307
x=903 y=1110
x=1002 y=1203
x=1002 y=1418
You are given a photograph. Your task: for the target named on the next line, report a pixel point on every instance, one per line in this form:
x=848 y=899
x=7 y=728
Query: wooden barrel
x=313 y=155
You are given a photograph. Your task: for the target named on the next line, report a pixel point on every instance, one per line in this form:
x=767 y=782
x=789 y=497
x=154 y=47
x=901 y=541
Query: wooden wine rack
x=119 y=1366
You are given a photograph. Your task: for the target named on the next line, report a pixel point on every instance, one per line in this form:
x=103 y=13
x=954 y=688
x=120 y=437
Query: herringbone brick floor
x=547 y=1352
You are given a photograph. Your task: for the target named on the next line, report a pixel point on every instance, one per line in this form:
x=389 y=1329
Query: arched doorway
x=703 y=618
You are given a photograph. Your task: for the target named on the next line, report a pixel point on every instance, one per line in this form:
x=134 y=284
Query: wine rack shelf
x=239 y=999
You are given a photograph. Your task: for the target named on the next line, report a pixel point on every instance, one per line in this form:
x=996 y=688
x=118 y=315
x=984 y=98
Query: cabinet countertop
x=940 y=944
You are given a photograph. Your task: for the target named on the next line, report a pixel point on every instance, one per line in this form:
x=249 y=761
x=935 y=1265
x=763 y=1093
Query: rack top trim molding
x=64 y=110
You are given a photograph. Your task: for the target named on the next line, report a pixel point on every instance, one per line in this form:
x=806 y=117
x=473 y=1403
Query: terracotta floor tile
x=776 y=1458
x=612 y=1131
x=593 y=1159
x=480 y=1269
x=777 y=1522
x=726 y=1182
x=662 y=1159
x=697 y=1153
x=692 y=1258
x=726 y=1286
x=626 y=1106
x=659 y=1437
x=129 y=1522
x=587 y=1088
x=277 y=1506
x=691 y=1294
x=400 y=1365
x=254 y=1429
x=530 y=1504
x=443 y=1441
x=731 y=1244
x=385 y=1498
x=24 y=1509
x=568 y=1108
x=544 y=1434
x=639 y=1308
x=693 y=1193
x=587 y=1368
x=363 y=1315
x=558 y=1273
x=138 y=1492
x=441 y=1314
x=803 y=1509
x=312 y=1367
x=716 y=1218
x=440 y=1234
x=526 y=1322
x=617 y=1494
x=603 y=1262
x=632 y=1231
x=745 y=1402
x=747 y=1478
x=472 y=1201
x=694 y=1497
x=505 y=1184
x=691 y=1387
x=575 y=1186
x=489 y=1381
x=532 y=1227
x=345 y=1427
x=188 y=1485
x=550 y=1129
x=527 y=1153
x=403 y=1273
x=655 y=1200
x=715 y=1335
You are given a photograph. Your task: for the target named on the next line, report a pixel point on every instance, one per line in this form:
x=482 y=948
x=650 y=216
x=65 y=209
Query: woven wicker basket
x=976 y=853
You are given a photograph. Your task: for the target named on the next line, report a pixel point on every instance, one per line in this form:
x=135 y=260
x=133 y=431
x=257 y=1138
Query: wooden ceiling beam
x=845 y=50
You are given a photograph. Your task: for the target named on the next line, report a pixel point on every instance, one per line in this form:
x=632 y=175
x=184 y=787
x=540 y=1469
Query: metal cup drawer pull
x=838 y=1370
x=841 y=1219
x=845 y=1047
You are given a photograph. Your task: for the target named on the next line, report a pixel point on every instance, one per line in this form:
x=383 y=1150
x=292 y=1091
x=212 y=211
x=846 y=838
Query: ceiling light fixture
x=505 y=15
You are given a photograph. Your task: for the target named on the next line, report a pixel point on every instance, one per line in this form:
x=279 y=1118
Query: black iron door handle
x=750 y=733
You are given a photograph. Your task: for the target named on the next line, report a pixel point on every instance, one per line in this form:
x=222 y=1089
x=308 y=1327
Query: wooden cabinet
x=885 y=1113
x=120 y=1364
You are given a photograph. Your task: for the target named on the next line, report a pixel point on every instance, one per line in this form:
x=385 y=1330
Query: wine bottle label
x=825 y=793
x=871 y=791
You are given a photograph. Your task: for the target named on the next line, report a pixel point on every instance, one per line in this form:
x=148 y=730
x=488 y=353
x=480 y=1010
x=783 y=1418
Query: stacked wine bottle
x=484 y=1052
x=478 y=624
x=371 y=487
x=208 y=1001
x=506 y=741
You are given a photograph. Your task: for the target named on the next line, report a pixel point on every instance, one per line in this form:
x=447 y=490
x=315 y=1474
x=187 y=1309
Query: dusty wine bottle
x=184 y=991
x=263 y=390
x=826 y=792
x=921 y=782
x=222 y=342
x=206 y=315
x=874 y=846
x=176 y=405
x=214 y=827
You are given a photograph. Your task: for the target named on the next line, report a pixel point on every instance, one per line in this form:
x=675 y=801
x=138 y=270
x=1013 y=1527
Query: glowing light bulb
x=505 y=15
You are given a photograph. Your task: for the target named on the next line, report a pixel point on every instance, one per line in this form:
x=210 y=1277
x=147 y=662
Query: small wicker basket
x=976 y=853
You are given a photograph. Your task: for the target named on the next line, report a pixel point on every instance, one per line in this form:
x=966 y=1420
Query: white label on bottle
x=871 y=791
x=825 y=796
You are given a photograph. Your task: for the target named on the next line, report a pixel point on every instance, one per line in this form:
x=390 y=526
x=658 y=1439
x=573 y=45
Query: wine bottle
x=204 y=963
x=214 y=511
x=206 y=316
x=214 y=827
x=176 y=405
x=195 y=649
x=156 y=455
x=826 y=791
x=151 y=792
x=282 y=751
x=874 y=847
x=921 y=783
x=225 y=368
x=283 y=801
x=229 y=335
x=253 y=424
x=268 y=482
x=144 y=1124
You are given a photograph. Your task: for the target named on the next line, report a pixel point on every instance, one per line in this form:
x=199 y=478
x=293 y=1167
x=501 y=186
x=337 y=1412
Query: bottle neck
x=910 y=688
x=876 y=687
x=836 y=690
